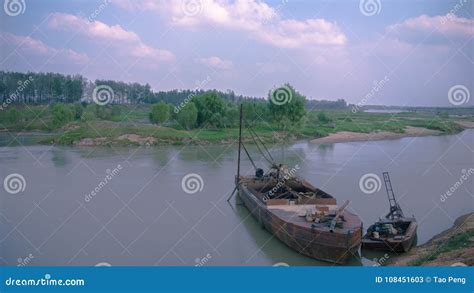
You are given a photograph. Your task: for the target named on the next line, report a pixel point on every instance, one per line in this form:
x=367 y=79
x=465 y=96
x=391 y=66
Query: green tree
x=62 y=114
x=323 y=118
x=103 y=112
x=87 y=116
x=286 y=106
x=160 y=113
x=78 y=110
x=211 y=109
x=187 y=117
x=255 y=111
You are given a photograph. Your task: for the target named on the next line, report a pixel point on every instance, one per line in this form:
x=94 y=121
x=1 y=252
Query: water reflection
x=151 y=180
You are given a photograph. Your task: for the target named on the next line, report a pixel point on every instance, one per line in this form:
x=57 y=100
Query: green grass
x=458 y=241
x=133 y=119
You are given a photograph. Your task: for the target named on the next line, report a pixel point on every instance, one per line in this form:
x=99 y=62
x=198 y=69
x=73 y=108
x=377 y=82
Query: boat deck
x=295 y=214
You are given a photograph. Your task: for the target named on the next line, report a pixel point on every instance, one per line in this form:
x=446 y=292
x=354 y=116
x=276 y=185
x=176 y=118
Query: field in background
x=130 y=124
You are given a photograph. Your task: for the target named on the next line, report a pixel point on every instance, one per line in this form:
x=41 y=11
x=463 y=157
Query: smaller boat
x=396 y=232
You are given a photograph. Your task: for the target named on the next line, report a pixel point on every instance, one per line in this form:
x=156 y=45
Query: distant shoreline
x=348 y=136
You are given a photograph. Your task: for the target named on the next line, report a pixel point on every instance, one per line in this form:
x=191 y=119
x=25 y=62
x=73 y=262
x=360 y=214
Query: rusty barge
x=300 y=215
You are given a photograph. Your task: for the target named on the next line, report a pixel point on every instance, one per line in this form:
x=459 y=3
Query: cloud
x=215 y=62
x=433 y=28
x=30 y=46
x=258 y=19
x=94 y=29
x=126 y=42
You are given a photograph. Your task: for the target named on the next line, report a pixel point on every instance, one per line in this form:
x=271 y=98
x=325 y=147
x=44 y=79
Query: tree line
x=48 y=88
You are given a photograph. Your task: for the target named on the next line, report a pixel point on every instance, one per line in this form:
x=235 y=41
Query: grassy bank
x=451 y=247
x=129 y=125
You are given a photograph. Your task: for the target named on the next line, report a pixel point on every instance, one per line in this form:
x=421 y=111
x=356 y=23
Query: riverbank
x=131 y=126
x=106 y=134
x=348 y=136
x=453 y=247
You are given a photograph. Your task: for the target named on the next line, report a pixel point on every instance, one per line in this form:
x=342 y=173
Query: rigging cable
x=261 y=141
x=259 y=149
x=250 y=158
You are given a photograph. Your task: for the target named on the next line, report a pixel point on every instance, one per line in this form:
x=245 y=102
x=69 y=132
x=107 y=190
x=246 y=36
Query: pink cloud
x=127 y=43
x=215 y=62
x=258 y=19
x=33 y=46
x=450 y=25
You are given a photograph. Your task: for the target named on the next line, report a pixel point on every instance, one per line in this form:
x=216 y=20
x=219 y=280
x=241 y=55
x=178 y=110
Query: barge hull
x=316 y=243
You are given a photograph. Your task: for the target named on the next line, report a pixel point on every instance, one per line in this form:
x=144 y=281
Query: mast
x=240 y=144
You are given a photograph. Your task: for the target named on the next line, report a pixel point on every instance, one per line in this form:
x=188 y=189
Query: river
x=141 y=215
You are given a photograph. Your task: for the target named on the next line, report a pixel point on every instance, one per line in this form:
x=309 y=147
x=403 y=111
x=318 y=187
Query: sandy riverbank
x=453 y=247
x=347 y=136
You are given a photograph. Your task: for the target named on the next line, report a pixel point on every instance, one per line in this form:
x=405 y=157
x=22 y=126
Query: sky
x=405 y=53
